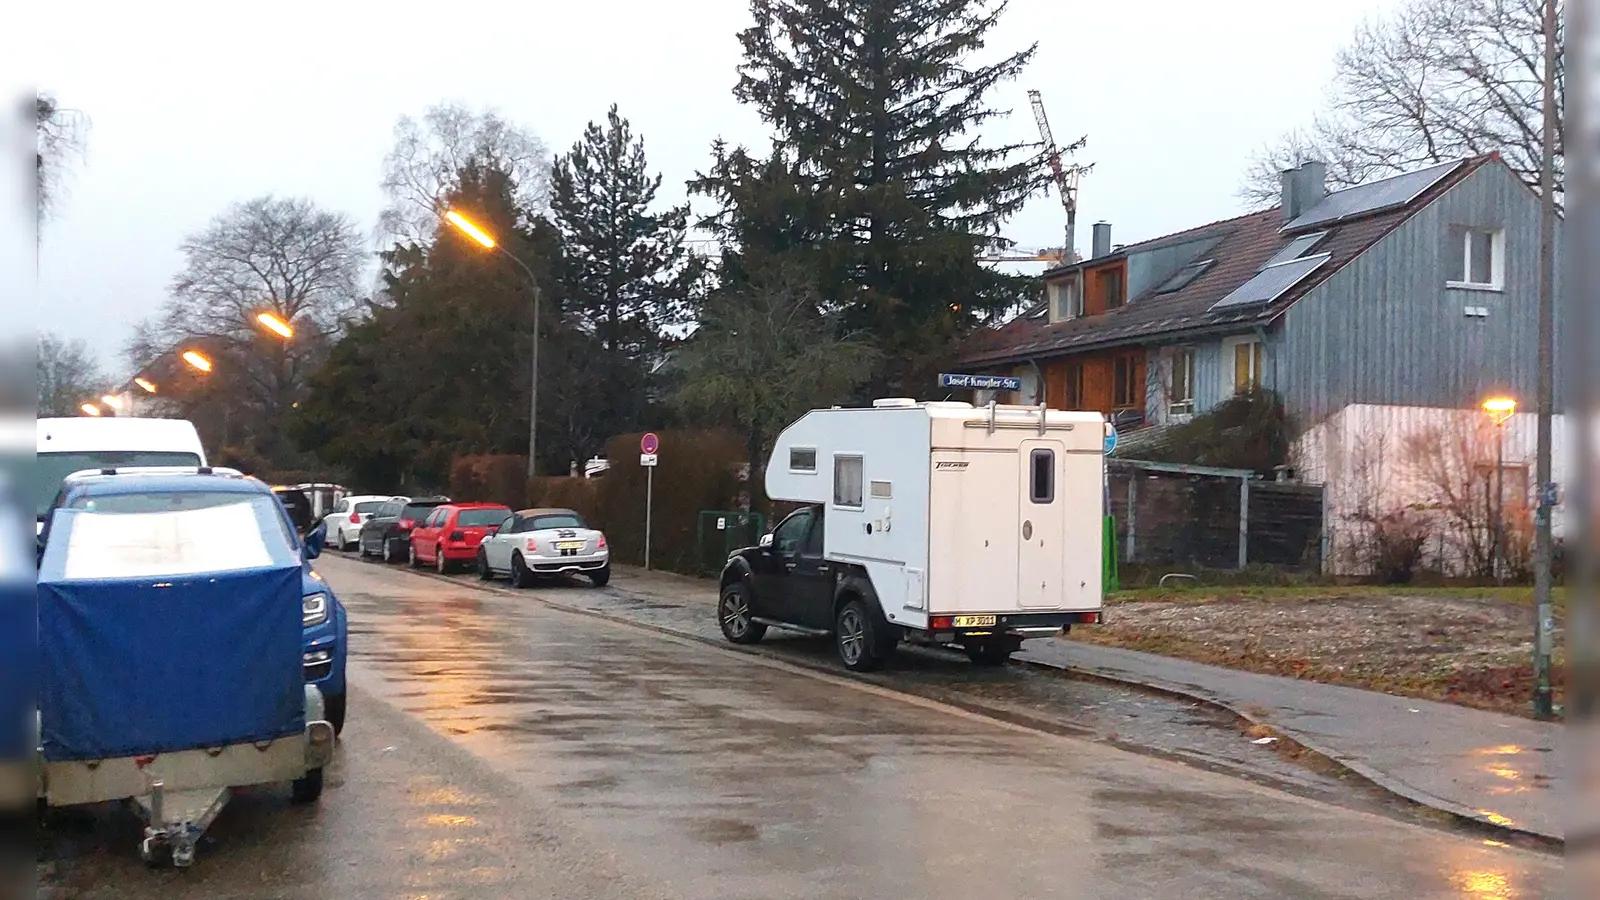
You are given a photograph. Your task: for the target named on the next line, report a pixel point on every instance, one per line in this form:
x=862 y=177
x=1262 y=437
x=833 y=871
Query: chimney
x=1102 y=240
x=1303 y=188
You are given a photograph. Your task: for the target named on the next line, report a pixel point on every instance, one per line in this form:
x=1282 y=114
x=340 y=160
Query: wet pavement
x=502 y=748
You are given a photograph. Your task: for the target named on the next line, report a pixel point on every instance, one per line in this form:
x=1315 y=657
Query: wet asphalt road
x=500 y=748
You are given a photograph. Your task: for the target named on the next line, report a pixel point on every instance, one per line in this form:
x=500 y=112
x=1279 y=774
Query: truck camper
x=938 y=523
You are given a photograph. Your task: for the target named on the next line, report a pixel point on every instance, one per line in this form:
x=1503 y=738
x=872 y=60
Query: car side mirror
x=316 y=540
x=766 y=542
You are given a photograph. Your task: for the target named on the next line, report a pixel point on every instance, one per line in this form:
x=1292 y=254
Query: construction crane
x=1065 y=177
x=1052 y=255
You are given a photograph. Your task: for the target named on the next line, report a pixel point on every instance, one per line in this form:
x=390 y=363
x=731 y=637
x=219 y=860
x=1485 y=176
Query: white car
x=344 y=522
x=534 y=542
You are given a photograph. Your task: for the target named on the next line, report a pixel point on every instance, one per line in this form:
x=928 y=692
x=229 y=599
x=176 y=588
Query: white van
x=70 y=445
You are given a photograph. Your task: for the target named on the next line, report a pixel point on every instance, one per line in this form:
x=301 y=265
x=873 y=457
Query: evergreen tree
x=626 y=274
x=876 y=105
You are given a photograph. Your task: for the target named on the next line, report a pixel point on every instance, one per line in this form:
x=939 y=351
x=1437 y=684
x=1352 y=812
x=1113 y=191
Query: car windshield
x=368 y=506
x=563 y=520
x=481 y=518
x=174 y=532
x=51 y=468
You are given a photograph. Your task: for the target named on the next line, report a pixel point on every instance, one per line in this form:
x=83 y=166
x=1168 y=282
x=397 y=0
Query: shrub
x=699 y=470
x=581 y=495
x=499 y=478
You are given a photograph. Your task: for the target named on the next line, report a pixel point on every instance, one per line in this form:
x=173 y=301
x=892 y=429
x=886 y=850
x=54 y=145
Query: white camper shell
x=970 y=522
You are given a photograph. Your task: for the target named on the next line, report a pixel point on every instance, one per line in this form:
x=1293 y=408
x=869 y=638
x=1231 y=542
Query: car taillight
x=458 y=535
x=532 y=545
x=602 y=544
x=407 y=524
x=355 y=518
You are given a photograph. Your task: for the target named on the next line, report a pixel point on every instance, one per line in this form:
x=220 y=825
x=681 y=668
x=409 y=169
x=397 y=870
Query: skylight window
x=1184 y=276
x=1297 y=248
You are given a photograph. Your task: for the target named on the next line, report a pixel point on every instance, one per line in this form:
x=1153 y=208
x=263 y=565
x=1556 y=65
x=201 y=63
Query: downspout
x=1038 y=375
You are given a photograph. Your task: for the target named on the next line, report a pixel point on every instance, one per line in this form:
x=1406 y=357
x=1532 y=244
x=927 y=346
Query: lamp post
x=471 y=230
x=1543 y=543
x=1500 y=409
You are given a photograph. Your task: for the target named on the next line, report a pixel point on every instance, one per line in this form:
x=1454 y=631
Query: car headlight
x=314 y=609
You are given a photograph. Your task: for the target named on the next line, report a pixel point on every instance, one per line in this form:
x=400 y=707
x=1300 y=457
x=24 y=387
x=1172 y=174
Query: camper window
x=802 y=459
x=847 y=482
x=1042 y=483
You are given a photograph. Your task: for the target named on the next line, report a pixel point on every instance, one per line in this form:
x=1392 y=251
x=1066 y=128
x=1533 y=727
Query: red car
x=451 y=533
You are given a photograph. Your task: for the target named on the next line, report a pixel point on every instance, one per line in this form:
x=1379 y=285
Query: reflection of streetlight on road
x=276 y=325
x=196 y=359
x=146 y=385
x=89 y=409
x=471 y=230
x=1500 y=409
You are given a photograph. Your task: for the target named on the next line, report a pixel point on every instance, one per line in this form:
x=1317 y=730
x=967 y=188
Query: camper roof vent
x=948 y=404
x=894 y=403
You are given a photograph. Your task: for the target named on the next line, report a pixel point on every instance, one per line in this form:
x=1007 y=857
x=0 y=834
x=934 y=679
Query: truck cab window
x=1042 y=483
x=792 y=533
x=814 y=537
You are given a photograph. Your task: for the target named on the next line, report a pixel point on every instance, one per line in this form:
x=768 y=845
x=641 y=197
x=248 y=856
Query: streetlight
x=276 y=325
x=197 y=360
x=112 y=401
x=89 y=409
x=147 y=386
x=471 y=230
x=1500 y=409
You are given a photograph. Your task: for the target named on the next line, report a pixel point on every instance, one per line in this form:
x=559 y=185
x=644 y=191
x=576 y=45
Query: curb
x=1460 y=816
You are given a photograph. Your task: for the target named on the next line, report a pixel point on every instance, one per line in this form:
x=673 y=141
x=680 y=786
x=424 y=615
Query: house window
x=1477 y=258
x=1111 y=288
x=1074 y=398
x=847 y=482
x=802 y=459
x=1180 y=392
x=1127 y=387
x=1247 y=365
x=1066 y=301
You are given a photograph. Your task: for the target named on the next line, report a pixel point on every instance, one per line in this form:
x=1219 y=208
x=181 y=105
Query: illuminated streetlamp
x=147 y=386
x=275 y=325
x=197 y=360
x=89 y=409
x=467 y=227
x=112 y=401
x=1500 y=409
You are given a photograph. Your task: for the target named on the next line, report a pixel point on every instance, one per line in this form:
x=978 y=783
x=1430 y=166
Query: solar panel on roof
x=1273 y=282
x=1375 y=197
x=1185 y=275
x=1297 y=248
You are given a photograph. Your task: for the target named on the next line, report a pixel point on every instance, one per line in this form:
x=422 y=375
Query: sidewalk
x=1497 y=769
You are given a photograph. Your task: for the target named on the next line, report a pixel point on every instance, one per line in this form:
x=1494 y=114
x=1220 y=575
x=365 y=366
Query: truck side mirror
x=766 y=542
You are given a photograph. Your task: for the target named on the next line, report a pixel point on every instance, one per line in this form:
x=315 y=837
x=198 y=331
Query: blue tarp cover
x=158 y=664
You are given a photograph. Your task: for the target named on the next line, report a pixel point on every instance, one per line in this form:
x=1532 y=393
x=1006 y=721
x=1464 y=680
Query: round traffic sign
x=649 y=443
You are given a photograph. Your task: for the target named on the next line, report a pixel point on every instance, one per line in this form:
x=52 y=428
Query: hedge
x=501 y=478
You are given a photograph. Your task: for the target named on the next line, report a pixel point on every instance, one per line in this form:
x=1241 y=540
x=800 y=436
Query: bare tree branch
x=1435 y=81
x=68 y=374
x=60 y=135
x=424 y=166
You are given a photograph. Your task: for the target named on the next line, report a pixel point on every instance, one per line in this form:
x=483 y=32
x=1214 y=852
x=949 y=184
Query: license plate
x=569 y=545
x=974 y=621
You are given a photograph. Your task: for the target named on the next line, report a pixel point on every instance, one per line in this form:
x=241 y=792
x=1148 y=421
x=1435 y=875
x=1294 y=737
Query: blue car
x=323 y=616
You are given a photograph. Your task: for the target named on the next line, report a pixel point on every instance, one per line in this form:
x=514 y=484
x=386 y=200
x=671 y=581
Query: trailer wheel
x=307 y=789
x=733 y=614
x=856 y=636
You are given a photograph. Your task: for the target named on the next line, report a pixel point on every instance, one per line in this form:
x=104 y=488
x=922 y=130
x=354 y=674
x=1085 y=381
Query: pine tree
x=626 y=273
x=876 y=106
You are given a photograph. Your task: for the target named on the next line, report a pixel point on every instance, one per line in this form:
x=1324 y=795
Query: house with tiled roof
x=1414 y=293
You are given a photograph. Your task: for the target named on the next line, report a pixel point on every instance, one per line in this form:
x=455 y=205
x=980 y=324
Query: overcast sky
x=207 y=104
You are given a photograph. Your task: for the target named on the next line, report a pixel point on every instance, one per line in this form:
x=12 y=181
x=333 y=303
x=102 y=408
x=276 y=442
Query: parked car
x=344 y=522
x=450 y=535
x=387 y=532
x=544 y=542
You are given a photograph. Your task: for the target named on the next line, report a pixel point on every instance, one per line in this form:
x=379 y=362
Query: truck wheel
x=992 y=654
x=334 y=710
x=307 y=789
x=855 y=635
x=484 y=572
x=733 y=614
x=520 y=576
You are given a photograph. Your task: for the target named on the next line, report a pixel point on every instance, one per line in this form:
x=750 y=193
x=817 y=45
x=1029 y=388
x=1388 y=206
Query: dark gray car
x=386 y=533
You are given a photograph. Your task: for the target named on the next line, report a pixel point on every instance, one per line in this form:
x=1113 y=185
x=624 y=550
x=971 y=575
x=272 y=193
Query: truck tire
x=733 y=615
x=991 y=654
x=856 y=635
x=307 y=789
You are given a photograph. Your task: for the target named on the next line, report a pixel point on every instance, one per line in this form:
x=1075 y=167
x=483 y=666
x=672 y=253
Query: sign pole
x=649 y=503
